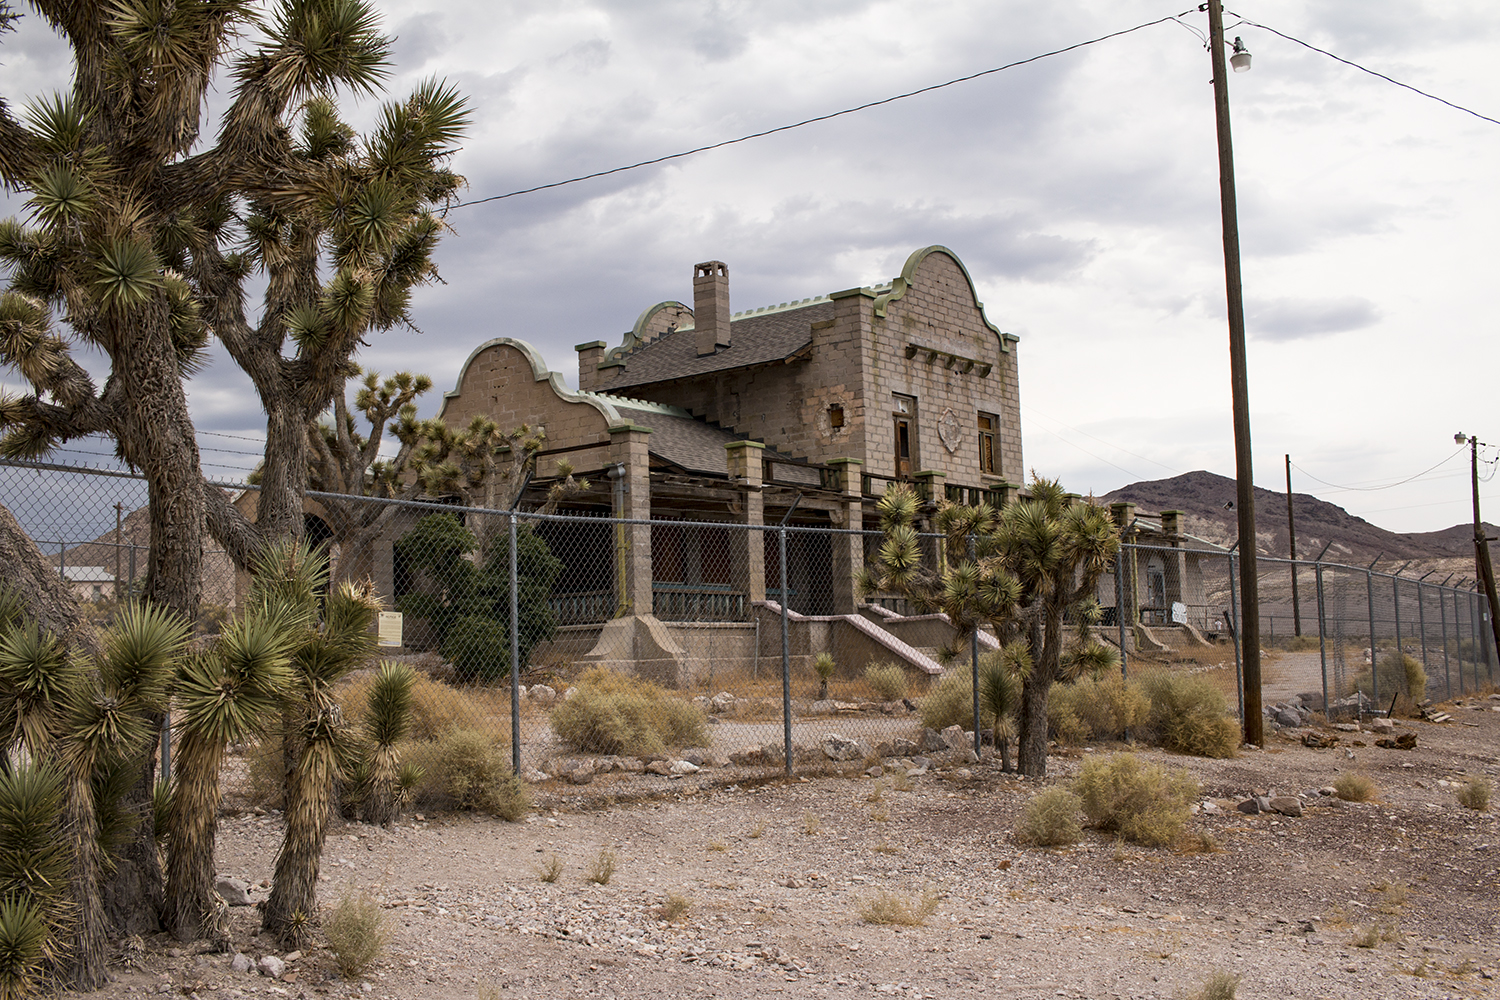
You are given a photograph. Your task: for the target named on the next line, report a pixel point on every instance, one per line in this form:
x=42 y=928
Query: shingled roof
x=756 y=338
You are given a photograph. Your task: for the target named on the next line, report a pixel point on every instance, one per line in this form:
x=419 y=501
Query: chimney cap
x=711 y=269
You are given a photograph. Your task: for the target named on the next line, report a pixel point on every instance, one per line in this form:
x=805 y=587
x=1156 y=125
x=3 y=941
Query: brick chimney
x=711 y=306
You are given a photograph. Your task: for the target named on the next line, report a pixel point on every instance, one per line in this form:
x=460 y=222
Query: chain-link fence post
x=1120 y=609
x=1422 y=628
x=1374 y=671
x=1443 y=620
x=1234 y=627
x=1396 y=611
x=786 y=658
x=515 y=652
x=974 y=664
x=1322 y=639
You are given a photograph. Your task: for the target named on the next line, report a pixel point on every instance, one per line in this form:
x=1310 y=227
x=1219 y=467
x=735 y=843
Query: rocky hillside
x=1208 y=500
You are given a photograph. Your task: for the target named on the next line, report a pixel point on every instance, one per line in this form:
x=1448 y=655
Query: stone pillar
x=747 y=549
x=1123 y=514
x=848 y=550
x=1171 y=526
x=628 y=447
x=930 y=485
x=590 y=356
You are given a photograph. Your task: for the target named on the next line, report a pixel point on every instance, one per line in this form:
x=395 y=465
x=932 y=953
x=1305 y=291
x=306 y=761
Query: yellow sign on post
x=389 y=628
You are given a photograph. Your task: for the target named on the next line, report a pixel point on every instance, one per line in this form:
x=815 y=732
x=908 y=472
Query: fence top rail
x=1284 y=561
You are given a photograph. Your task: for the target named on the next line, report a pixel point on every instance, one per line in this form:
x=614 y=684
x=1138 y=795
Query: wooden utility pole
x=1291 y=534
x=1485 y=571
x=1244 y=470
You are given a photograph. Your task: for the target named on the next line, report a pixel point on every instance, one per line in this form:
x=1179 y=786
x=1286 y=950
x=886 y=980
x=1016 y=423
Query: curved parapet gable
x=907 y=278
x=540 y=373
x=641 y=333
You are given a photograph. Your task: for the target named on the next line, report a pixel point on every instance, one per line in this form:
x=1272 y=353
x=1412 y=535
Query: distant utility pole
x=1486 y=571
x=1291 y=534
x=119 y=512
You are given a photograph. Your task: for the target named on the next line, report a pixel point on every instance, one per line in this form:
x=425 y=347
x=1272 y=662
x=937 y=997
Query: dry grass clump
x=887 y=680
x=674 y=908
x=1401 y=678
x=1096 y=709
x=550 y=871
x=1221 y=985
x=1353 y=787
x=1474 y=794
x=466 y=769
x=356 y=931
x=1143 y=803
x=951 y=703
x=614 y=714
x=904 y=911
x=1050 y=819
x=435 y=707
x=603 y=868
x=1189 y=715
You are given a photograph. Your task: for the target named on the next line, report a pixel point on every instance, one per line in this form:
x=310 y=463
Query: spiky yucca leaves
x=227 y=694
x=1021 y=571
x=345 y=640
x=111 y=717
x=1000 y=675
x=387 y=718
x=36 y=912
x=37 y=677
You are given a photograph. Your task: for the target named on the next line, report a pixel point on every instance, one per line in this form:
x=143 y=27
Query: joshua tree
x=387 y=717
x=81 y=726
x=317 y=737
x=1022 y=570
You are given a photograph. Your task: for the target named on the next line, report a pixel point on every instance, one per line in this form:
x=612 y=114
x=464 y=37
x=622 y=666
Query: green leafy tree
x=1023 y=570
x=468 y=605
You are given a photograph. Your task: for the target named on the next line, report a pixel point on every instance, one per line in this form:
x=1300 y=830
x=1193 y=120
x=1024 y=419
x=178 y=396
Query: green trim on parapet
x=908 y=278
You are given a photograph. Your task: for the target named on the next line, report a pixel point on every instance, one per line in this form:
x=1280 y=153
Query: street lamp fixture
x=1240 y=61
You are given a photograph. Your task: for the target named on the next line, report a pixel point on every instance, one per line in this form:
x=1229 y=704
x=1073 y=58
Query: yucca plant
x=1022 y=570
x=36 y=914
x=83 y=726
x=1000 y=676
x=324 y=656
x=824 y=666
x=226 y=694
x=387 y=718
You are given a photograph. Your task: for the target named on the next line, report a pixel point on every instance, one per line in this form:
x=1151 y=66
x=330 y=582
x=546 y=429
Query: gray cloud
x=1298 y=319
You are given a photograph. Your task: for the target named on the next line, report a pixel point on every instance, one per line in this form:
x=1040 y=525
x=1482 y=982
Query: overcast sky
x=1081 y=191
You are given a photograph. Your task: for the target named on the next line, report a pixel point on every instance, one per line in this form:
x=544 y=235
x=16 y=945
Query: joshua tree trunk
x=1045 y=640
x=41 y=587
x=294 y=898
x=91 y=937
x=193 y=911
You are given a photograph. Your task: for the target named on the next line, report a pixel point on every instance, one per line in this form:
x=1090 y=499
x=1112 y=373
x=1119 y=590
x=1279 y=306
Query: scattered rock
x=1383 y=726
x=722 y=702
x=954 y=738
x=272 y=966
x=233 y=891
x=583 y=774
x=1288 y=718
x=875 y=772
x=904 y=748
x=659 y=767
x=1250 y=805
x=932 y=741
x=241 y=962
x=1406 y=741
x=1287 y=805
x=531 y=775
x=541 y=694
x=683 y=767
x=838 y=747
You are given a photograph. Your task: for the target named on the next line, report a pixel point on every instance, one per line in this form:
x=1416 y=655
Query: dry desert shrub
x=674 y=908
x=466 y=769
x=1050 y=819
x=1474 y=794
x=357 y=930
x=603 y=868
x=1221 y=985
x=887 y=680
x=1353 y=787
x=951 y=703
x=1143 y=803
x=903 y=911
x=1402 y=679
x=1096 y=709
x=550 y=871
x=434 y=706
x=1189 y=715
x=611 y=713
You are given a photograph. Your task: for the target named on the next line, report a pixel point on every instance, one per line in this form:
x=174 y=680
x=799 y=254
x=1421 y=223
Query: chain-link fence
x=1344 y=640
x=756 y=645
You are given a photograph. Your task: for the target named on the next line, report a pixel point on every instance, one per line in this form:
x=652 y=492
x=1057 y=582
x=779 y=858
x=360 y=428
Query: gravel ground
x=776 y=874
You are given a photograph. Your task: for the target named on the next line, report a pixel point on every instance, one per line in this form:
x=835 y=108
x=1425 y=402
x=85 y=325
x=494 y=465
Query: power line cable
x=820 y=118
x=1387 y=486
x=1364 y=69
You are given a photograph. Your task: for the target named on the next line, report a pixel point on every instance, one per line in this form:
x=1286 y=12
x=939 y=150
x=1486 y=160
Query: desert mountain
x=1207 y=499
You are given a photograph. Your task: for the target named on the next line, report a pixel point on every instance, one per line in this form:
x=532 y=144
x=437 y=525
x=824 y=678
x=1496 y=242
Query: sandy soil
x=776 y=874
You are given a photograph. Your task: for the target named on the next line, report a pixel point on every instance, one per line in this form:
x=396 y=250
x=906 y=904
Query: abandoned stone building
x=800 y=414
